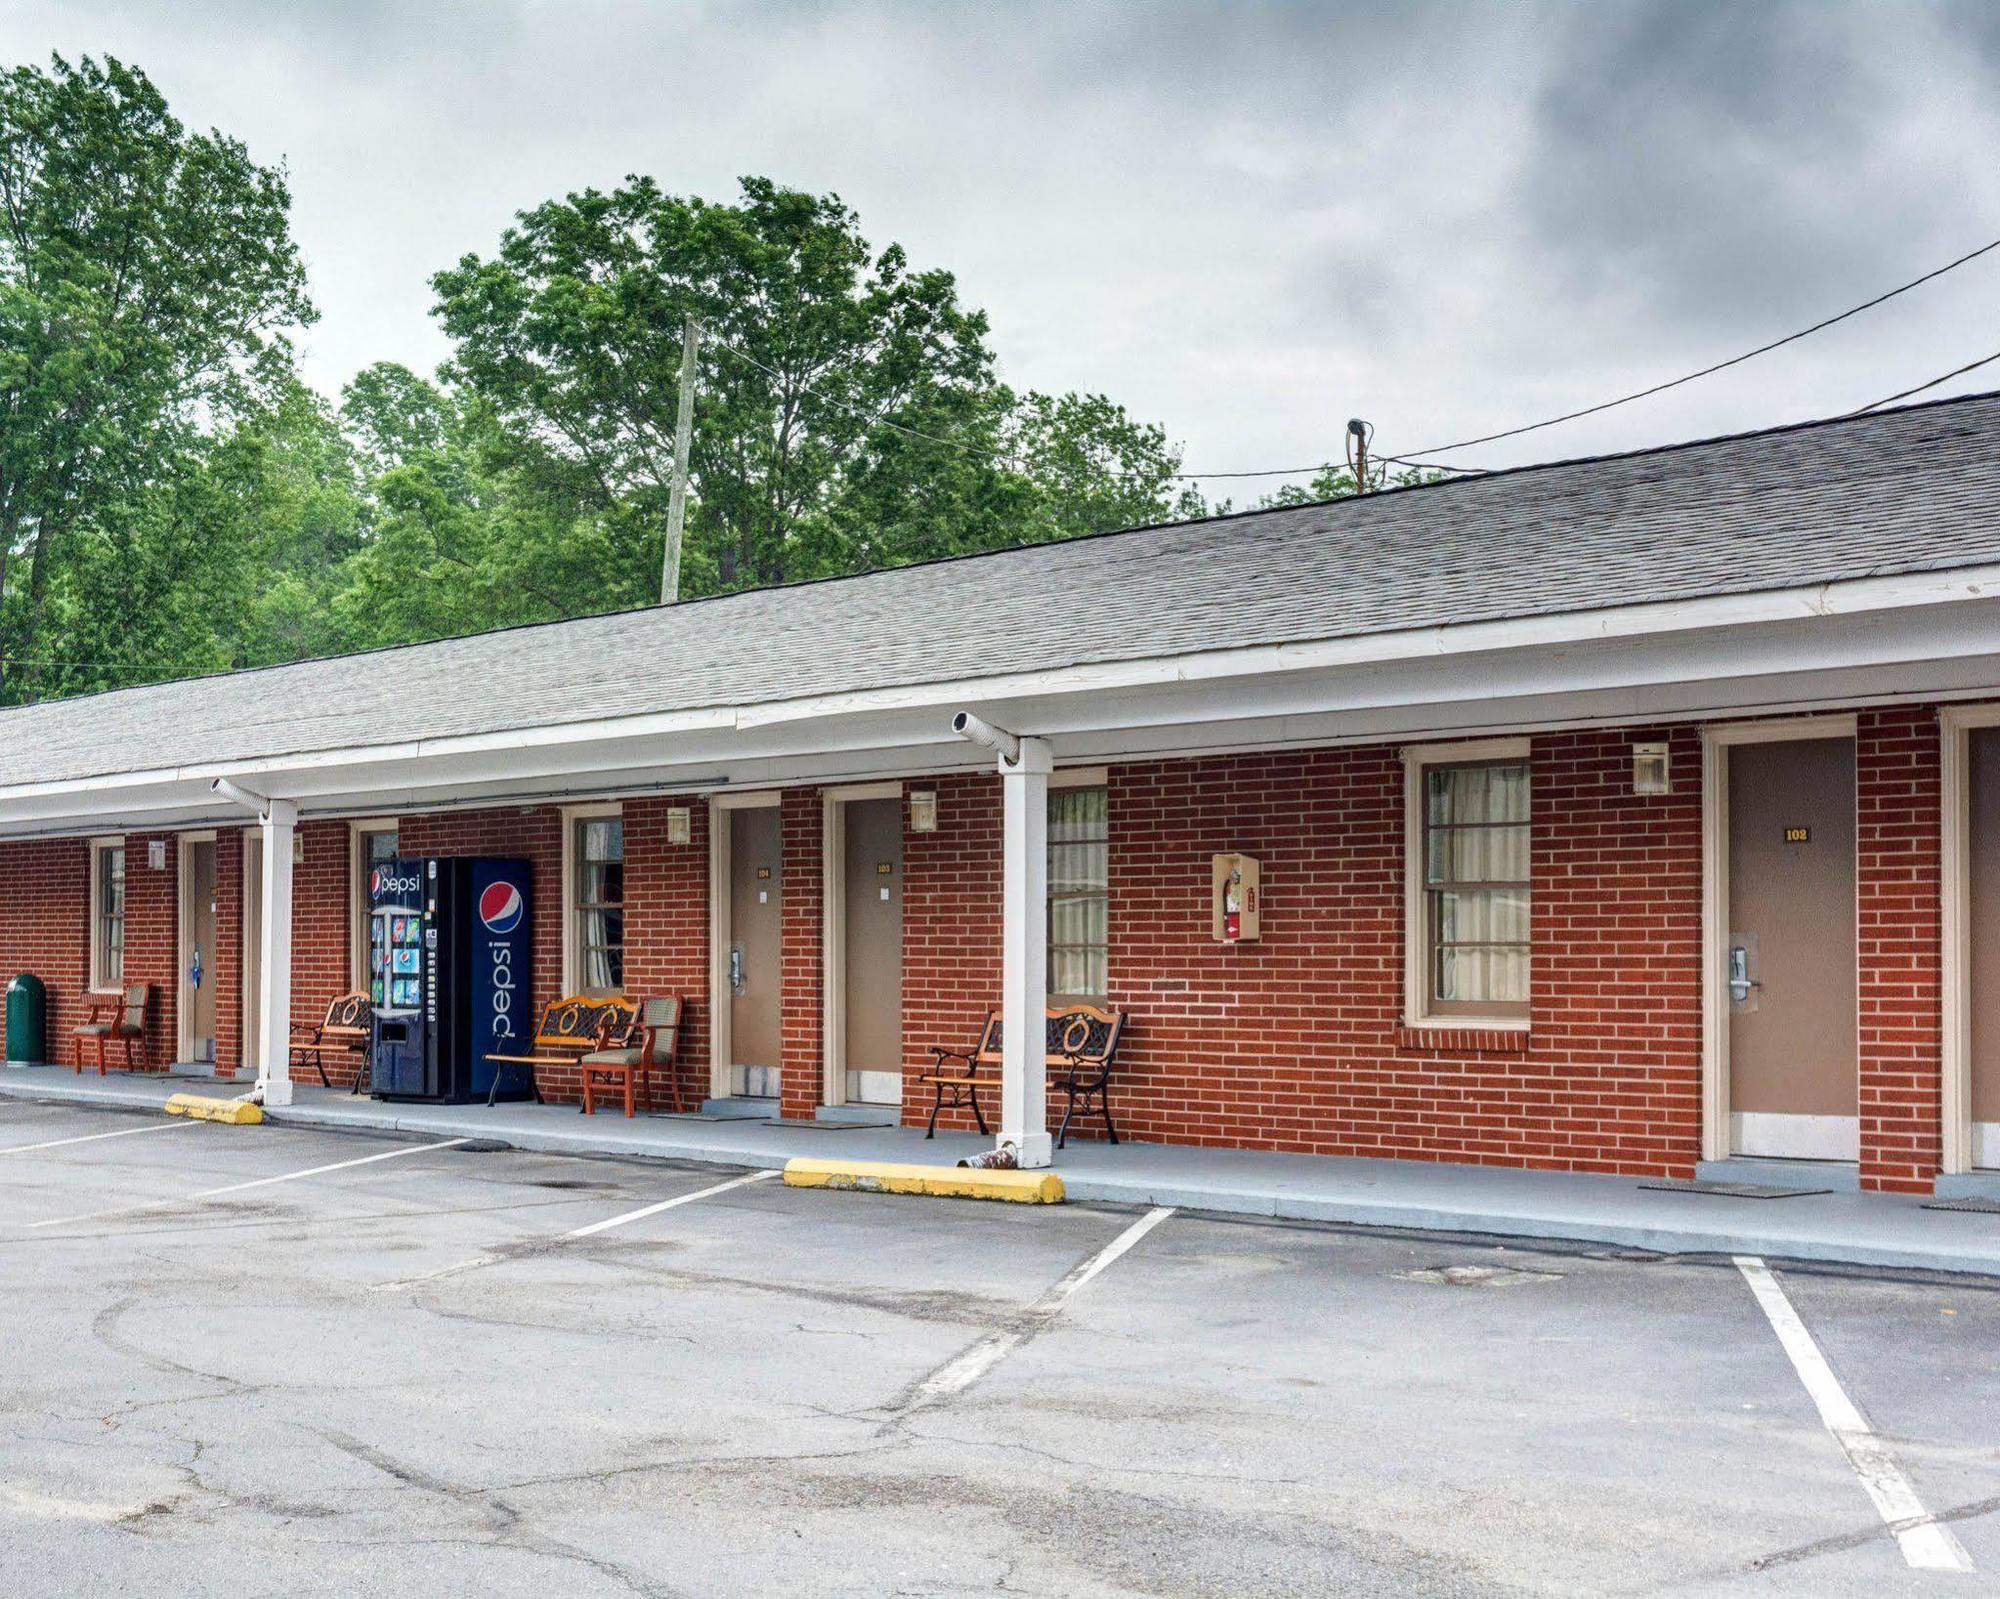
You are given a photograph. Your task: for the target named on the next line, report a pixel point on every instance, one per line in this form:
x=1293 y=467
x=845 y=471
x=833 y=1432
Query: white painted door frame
x=1716 y=742
x=183 y=946
x=1955 y=724
x=833 y=930
x=719 y=890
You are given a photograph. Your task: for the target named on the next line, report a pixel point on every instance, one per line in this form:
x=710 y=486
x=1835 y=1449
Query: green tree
x=848 y=415
x=147 y=279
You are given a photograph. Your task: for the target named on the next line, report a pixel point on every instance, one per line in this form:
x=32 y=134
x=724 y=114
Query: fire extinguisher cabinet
x=27 y=1021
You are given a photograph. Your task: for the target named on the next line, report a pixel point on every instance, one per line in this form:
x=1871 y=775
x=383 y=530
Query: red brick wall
x=1897 y=871
x=951 y=931
x=45 y=926
x=666 y=929
x=801 y=1005
x=320 y=916
x=1292 y=1043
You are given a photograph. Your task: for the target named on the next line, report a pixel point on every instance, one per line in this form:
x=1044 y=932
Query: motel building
x=1621 y=815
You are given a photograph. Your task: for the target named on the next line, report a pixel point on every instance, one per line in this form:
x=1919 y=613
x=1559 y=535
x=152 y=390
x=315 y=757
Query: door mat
x=1696 y=1185
x=699 y=1116
x=826 y=1127
x=1977 y=1205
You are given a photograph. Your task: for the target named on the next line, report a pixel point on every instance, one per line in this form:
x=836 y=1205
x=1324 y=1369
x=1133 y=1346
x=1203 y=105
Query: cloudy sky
x=1246 y=221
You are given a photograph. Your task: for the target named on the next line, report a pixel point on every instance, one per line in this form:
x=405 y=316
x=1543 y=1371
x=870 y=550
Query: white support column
x=274 y=1013
x=1024 y=988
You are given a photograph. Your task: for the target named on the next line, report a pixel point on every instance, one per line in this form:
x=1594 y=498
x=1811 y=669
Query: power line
x=1957 y=371
x=1734 y=360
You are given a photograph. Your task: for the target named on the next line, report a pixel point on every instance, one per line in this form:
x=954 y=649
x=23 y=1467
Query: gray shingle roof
x=1902 y=491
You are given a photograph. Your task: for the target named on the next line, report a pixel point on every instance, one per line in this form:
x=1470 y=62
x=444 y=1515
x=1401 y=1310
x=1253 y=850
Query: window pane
x=604 y=840
x=1477 y=855
x=1477 y=863
x=1079 y=871
x=599 y=891
x=1496 y=975
x=1482 y=916
x=382 y=846
x=603 y=884
x=1472 y=794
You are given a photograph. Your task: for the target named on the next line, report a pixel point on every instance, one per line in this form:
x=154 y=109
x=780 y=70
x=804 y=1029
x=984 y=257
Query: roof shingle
x=1901 y=491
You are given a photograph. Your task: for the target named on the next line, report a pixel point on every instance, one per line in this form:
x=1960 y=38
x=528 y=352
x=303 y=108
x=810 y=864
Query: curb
x=948 y=1182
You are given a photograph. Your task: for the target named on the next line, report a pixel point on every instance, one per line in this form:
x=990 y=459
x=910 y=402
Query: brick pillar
x=799 y=1062
x=152 y=938
x=1897 y=892
x=666 y=928
x=228 y=958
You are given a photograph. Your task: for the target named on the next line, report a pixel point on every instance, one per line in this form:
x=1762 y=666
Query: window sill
x=1465 y=1037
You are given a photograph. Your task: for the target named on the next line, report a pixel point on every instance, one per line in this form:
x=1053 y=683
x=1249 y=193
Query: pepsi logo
x=375 y=881
x=500 y=907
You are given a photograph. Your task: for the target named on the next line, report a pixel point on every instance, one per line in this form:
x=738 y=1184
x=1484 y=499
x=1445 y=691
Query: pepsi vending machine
x=448 y=971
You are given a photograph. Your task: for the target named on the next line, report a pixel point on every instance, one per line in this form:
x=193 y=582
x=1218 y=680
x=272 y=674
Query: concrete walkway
x=1857 y=1229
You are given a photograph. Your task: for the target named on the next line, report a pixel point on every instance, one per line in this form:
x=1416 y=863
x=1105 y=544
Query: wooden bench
x=1081 y=1040
x=114 y=1019
x=646 y=1046
x=347 y=1032
x=569 y=1029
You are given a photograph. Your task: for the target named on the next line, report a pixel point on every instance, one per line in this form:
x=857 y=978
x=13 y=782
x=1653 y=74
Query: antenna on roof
x=1359 y=433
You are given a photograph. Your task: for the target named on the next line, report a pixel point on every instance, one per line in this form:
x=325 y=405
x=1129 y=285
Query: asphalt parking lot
x=282 y=1361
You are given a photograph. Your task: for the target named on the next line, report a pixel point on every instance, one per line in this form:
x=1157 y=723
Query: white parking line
x=666 y=1204
x=1926 y=1545
x=91 y=1138
x=255 y=1182
x=474 y=1262
x=961 y=1372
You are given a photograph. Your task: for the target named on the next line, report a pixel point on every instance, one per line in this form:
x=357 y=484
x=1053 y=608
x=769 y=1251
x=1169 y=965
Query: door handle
x=1741 y=983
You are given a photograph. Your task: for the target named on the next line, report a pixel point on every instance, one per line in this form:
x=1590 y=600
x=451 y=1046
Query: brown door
x=1983 y=943
x=756 y=910
x=873 y=951
x=198 y=950
x=1791 y=975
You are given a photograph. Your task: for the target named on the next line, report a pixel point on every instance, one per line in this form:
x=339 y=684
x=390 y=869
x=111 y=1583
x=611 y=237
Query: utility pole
x=1358 y=435
x=670 y=563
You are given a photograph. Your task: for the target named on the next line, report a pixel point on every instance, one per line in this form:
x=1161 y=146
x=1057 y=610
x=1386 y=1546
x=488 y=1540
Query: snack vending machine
x=448 y=972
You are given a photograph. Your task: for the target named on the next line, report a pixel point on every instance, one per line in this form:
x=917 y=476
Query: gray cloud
x=1247 y=220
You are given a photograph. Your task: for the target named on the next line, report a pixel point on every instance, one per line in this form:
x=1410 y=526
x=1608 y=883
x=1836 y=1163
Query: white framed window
x=107 y=913
x=370 y=844
x=593 y=898
x=1468 y=884
x=1079 y=892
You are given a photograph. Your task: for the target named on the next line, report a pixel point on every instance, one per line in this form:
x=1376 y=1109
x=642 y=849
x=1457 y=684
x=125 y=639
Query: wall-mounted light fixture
x=923 y=811
x=1651 y=773
x=680 y=824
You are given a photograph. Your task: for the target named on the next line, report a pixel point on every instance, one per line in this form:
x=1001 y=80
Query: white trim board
x=1985 y=1142
x=1960 y=1140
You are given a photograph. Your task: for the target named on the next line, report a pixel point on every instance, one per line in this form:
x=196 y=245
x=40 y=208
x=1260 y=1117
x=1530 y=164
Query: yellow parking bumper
x=206 y=1108
x=949 y=1182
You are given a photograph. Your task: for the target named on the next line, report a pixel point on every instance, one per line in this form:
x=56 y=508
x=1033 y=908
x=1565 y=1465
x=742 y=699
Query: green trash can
x=27 y=1021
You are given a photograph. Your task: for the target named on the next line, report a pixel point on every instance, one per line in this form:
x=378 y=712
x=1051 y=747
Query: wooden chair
x=347 y=1032
x=119 y=1019
x=1080 y=1039
x=569 y=1029
x=648 y=1044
